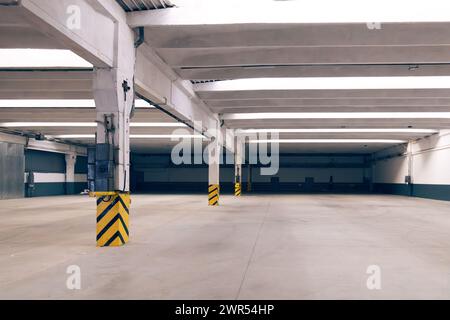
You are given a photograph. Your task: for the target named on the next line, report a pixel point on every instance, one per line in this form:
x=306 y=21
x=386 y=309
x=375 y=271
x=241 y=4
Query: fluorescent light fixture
x=156 y=124
x=132 y=136
x=41 y=58
x=47 y=124
x=59 y=103
x=330 y=141
x=140 y=103
x=337 y=115
x=88 y=124
x=43 y=103
x=166 y=136
x=328 y=83
x=74 y=136
x=424 y=131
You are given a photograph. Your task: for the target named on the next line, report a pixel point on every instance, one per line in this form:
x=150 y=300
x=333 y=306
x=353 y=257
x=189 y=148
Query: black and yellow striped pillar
x=237 y=189
x=213 y=194
x=113 y=209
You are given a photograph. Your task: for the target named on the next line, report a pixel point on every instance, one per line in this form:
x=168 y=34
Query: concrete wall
x=157 y=173
x=429 y=168
x=11 y=170
x=49 y=170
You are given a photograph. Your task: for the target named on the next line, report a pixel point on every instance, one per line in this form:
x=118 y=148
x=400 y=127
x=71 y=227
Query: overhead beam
x=329 y=102
x=93 y=41
x=49 y=84
x=49 y=146
x=208 y=57
x=324 y=94
x=405 y=108
x=292 y=34
x=158 y=83
x=96 y=41
x=286 y=71
x=340 y=123
x=29 y=37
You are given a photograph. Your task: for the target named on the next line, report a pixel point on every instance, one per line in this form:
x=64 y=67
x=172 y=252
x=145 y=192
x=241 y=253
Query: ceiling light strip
x=424 y=131
x=337 y=115
x=330 y=141
x=89 y=124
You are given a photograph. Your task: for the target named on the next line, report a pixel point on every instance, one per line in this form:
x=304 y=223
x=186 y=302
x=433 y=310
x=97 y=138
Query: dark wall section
x=41 y=161
x=81 y=165
x=308 y=173
x=46 y=189
x=48 y=169
x=305 y=187
x=429 y=191
x=392 y=188
x=432 y=191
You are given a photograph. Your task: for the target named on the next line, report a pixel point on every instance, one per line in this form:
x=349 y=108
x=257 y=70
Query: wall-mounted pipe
x=140 y=37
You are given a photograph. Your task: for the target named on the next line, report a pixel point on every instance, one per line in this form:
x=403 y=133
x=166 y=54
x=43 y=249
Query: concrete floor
x=256 y=247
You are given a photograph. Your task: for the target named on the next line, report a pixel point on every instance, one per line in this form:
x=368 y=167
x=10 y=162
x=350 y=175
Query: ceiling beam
x=324 y=94
x=233 y=56
x=96 y=41
x=297 y=35
x=93 y=41
x=339 y=123
x=158 y=83
x=330 y=102
x=288 y=71
x=44 y=145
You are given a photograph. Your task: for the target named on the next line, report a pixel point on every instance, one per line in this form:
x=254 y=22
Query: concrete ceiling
x=15 y=32
x=248 y=48
x=237 y=49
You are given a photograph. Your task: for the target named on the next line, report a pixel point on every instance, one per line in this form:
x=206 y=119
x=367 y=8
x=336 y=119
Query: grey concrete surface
x=255 y=247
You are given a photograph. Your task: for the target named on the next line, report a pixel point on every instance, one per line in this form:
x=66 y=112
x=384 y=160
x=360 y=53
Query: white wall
x=430 y=162
x=391 y=170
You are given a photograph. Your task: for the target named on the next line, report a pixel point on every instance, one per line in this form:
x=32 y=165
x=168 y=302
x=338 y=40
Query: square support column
x=238 y=159
x=71 y=160
x=249 y=177
x=114 y=100
x=214 y=154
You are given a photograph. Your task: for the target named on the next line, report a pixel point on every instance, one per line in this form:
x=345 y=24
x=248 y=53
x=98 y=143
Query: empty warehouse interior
x=224 y=150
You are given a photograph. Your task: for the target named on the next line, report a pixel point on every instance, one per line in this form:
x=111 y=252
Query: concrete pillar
x=238 y=158
x=214 y=153
x=249 y=178
x=114 y=99
x=409 y=178
x=71 y=160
